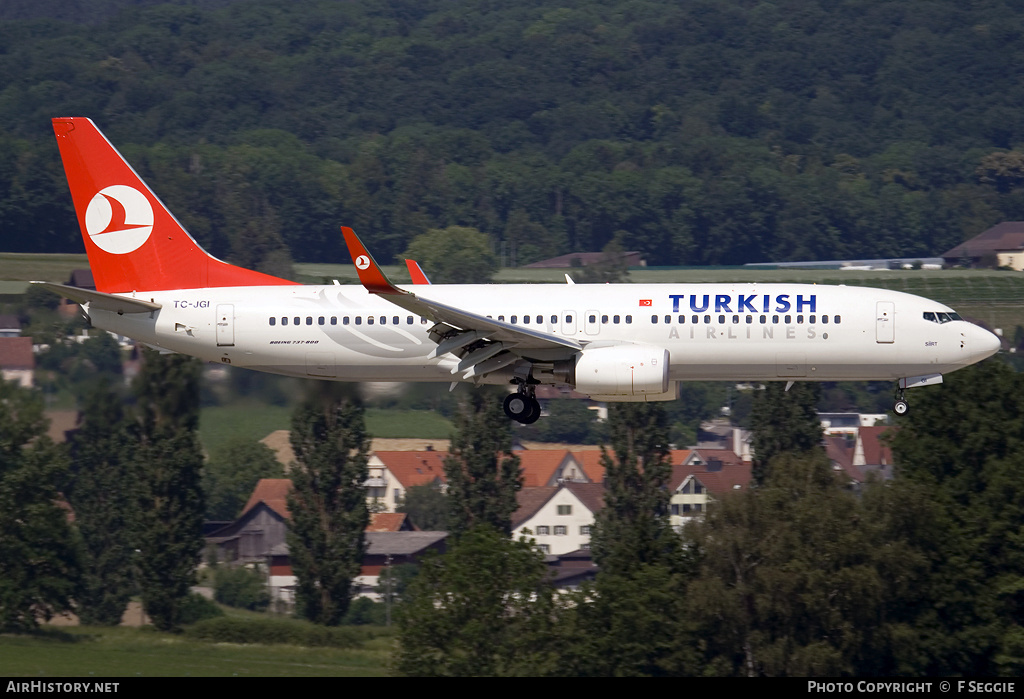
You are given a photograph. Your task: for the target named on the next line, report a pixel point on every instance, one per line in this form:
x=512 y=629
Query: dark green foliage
x=962 y=445
x=482 y=473
x=102 y=493
x=275 y=631
x=241 y=587
x=194 y=608
x=327 y=504
x=699 y=132
x=482 y=609
x=39 y=557
x=568 y=421
x=454 y=255
x=632 y=528
x=169 y=496
x=427 y=507
x=232 y=472
x=365 y=612
x=631 y=621
x=784 y=422
x=791 y=579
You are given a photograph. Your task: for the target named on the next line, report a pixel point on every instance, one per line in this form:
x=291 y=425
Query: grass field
x=84 y=652
x=254 y=421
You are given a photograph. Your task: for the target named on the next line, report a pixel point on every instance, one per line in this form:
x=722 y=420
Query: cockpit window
x=937 y=317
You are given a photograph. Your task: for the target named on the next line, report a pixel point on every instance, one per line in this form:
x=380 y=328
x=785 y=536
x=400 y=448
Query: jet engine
x=624 y=373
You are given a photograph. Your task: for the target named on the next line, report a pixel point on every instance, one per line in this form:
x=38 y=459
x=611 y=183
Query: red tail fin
x=133 y=241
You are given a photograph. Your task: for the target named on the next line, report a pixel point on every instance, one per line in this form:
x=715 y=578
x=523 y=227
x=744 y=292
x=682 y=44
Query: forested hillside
x=705 y=131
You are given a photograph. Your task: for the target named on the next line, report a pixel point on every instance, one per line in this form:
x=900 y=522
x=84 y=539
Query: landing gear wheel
x=901 y=407
x=522 y=408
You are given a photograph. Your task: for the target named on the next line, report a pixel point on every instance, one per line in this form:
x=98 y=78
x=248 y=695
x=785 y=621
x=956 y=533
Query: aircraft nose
x=980 y=343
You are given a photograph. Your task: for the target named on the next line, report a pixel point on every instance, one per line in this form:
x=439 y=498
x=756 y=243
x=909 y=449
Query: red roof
x=414 y=467
x=273 y=492
x=876 y=453
x=540 y=465
x=16 y=353
x=388 y=522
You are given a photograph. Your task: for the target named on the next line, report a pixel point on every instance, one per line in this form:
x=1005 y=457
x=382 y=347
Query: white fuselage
x=712 y=331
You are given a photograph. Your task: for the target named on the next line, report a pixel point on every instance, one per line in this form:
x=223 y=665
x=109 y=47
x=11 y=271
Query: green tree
x=788 y=582
x=39 y=557
x=454 y=255
x=328 y=504
x=631 y=621
x=483 y=474
x=232 y=472
x=784 y=422
x=168 y=527
x=962 y=445
x=483 y=609
x=427 y=507
x=103 y=484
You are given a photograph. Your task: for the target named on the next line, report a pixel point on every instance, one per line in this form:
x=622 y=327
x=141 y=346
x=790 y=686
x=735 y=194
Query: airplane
x=612 y=342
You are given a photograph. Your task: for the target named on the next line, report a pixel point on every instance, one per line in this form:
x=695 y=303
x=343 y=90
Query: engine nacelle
x=623 y=370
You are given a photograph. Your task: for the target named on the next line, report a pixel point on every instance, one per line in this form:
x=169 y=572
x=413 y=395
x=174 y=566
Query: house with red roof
x=560 y=517
x=701 y=476
x=392 y=473
x=17 y=362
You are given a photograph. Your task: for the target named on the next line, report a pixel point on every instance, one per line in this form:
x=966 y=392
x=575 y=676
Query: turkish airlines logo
x=362 y=262
x=119 y=219
x=646 y=302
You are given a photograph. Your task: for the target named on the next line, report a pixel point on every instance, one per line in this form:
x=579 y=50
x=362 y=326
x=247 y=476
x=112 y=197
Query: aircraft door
x=592 y=323
x=885 y=322
x=568 y=322
x=226 y=325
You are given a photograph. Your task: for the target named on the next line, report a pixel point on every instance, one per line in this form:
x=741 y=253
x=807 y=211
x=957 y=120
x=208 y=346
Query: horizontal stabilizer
x=100 y=300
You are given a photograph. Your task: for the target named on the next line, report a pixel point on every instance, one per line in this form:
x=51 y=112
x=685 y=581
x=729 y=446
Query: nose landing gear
x=901 y=406
x=522 y=406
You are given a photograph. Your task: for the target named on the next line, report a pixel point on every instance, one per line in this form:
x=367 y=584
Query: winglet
x=370 y=274
x=416 y=272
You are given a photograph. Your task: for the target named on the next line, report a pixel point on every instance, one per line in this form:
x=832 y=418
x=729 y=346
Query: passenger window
x=554 y=320
x=321 y=320
x=789 y=319
x=812 y=319
x=501 y=318
x=629 y=320
x=654 y=320
x=383 y=320
x=735 y=319
x=800 y=319
x=568 y=319
x=309 y=320
x=615 y=320
x=764 y=319
x=273 y=321
x=721 y=320
x=297 y=320
x=284 y=320
x=682 y=320
x=592 y=319
x=359 y=320
x=540 y=320
x=526 y=320
x=775 y=320
x=513 y=319
x=707 y=320
x=668 y=319
x=824 y=319
x=604 y=319
x=837 y=320
x=750 y=319
x=695 y=319
x=369 y=320
x=334 y=320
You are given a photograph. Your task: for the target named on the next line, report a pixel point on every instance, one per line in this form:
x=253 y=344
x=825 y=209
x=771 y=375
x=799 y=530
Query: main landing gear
x=901 y=406
x=522 y=406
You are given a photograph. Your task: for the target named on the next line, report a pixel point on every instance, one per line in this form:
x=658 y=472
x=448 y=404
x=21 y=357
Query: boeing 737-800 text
x=613 y=342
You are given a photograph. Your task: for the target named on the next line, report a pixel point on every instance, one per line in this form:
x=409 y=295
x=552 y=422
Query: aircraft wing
x=101 y=300
x=495 y=331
